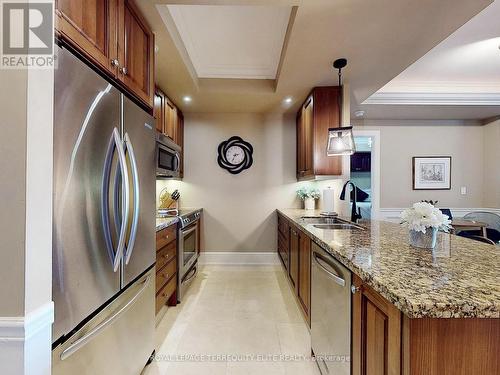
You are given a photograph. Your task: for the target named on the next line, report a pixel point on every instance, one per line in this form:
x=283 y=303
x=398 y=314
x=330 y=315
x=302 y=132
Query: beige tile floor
x=239 y=312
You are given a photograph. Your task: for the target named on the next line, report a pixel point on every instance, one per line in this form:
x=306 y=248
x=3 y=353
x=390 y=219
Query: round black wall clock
x=235 y=155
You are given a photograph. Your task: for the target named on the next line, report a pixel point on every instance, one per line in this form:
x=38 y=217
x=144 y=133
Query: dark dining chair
x=446 y=211
x=465 y=234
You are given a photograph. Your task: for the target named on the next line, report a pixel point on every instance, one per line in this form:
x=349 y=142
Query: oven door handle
x=190 y=275
x=189 y=231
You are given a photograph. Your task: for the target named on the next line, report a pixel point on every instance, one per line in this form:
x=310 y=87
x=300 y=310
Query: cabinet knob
x=355 y=289
x=123 y=70
x=115 y=62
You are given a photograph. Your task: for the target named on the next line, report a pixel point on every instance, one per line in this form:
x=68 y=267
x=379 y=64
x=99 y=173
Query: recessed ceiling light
x=187 y=99
x=288 y=100
x=359 y=113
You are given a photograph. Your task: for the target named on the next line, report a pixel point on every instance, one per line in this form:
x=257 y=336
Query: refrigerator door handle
x=114 y=144
x=135 y=183
x=82 y=341
x=126 y=197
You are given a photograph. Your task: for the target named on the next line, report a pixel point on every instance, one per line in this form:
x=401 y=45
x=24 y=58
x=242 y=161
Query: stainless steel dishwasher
x=330 y=313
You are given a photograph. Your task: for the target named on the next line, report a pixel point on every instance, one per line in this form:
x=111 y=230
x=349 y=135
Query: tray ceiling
x=227 y=41
x=462 y=70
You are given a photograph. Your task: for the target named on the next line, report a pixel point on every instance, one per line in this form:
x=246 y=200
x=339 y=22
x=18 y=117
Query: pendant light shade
x=340 y=141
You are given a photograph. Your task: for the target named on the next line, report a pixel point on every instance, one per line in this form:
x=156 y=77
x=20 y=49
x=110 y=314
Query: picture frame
x=431 y=172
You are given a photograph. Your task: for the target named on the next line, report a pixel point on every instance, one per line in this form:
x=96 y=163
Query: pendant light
x=340 y=140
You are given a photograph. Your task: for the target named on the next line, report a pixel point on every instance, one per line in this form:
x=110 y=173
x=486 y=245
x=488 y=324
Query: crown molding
x=434 y=98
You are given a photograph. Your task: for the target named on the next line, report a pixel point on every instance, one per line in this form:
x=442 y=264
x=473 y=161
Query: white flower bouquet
x=308 y=196
x=421 y=217
x=424 y=215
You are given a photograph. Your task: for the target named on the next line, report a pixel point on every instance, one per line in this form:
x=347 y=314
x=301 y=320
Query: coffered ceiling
x=380 y=39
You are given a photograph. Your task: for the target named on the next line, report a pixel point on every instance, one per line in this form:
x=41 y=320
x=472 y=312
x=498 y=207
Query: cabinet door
x=136 y=51
x=171 y=120
x=159 y=110
x=376 y=333
x=179 y=134
x=304 y=289
x=294 y=257
x=326 y=114
x=308 y=137
x=300 y=144
x=90 y=26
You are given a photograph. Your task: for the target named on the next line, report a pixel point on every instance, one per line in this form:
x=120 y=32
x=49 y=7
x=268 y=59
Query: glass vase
x=425 y=240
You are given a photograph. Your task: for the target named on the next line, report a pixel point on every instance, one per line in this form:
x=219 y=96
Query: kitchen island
x=414 y=311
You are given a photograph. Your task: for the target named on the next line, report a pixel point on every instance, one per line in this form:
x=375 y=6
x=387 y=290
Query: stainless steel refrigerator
x=104 y=225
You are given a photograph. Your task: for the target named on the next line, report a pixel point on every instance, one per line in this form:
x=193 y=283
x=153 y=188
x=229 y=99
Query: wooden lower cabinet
x=283 y=241
x=293 y=262
x=387 y=342
x=304 y=287
x=166 y=267
x=294 y=249
x=376 y=333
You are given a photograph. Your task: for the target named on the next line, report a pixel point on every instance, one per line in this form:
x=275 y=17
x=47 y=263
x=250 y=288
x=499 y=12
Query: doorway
x=365 y=171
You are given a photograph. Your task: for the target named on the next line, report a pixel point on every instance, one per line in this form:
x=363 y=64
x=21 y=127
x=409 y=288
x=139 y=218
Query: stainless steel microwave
x=168 y=157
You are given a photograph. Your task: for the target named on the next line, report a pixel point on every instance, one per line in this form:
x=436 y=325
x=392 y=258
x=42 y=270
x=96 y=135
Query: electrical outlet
x=463 y=190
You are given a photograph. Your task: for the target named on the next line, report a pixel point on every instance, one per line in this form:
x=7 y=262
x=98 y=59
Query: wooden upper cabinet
x=91 y=27
x=114 y=36
x=320 y=111
x=308 y=137
x=136 y=51
x=171 y=120
x=376 y=333
x=159 y=110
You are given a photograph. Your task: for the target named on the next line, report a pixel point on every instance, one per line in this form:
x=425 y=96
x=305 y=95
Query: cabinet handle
x=355 y=289
x=115 y=62
x=123 y=70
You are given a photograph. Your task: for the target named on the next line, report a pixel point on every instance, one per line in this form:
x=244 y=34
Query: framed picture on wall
x=431 y=172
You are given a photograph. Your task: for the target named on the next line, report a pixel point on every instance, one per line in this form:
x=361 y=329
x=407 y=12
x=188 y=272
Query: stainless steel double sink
x=329 y=223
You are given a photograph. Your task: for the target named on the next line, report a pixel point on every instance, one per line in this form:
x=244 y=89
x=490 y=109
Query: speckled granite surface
x=460 y=278
x=163 y=222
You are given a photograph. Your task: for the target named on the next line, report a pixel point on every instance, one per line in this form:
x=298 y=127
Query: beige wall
x=491 y=188
x=240 y=209
x=12 y=190
x=401 y=140
x=26 y=191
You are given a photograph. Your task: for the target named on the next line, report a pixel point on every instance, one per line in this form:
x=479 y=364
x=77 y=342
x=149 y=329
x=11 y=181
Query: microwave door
x=168 y=161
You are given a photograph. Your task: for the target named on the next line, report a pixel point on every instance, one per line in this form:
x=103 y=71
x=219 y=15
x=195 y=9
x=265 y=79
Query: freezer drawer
x=119 y=340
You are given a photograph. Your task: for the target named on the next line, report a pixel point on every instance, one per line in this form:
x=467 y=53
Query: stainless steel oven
x=189 y=240
x=168 y=157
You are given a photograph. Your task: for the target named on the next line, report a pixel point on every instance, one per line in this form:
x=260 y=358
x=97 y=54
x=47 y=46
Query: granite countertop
x=164 y=222
x=460 y=278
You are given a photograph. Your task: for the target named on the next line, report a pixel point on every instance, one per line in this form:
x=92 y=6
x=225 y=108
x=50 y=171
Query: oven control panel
x=191 y=218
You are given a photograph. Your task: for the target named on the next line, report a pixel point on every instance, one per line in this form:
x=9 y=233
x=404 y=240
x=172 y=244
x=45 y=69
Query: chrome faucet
x=355 y=212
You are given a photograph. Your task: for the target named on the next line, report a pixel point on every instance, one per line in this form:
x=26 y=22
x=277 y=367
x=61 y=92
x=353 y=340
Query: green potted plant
x=309 y=196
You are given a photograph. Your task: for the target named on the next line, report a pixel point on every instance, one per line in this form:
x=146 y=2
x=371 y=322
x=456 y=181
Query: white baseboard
x=25 y=342
x=239 y=258
x=393 y=214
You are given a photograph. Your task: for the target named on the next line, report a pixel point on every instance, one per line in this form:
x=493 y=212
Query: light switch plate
x=463 y=190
